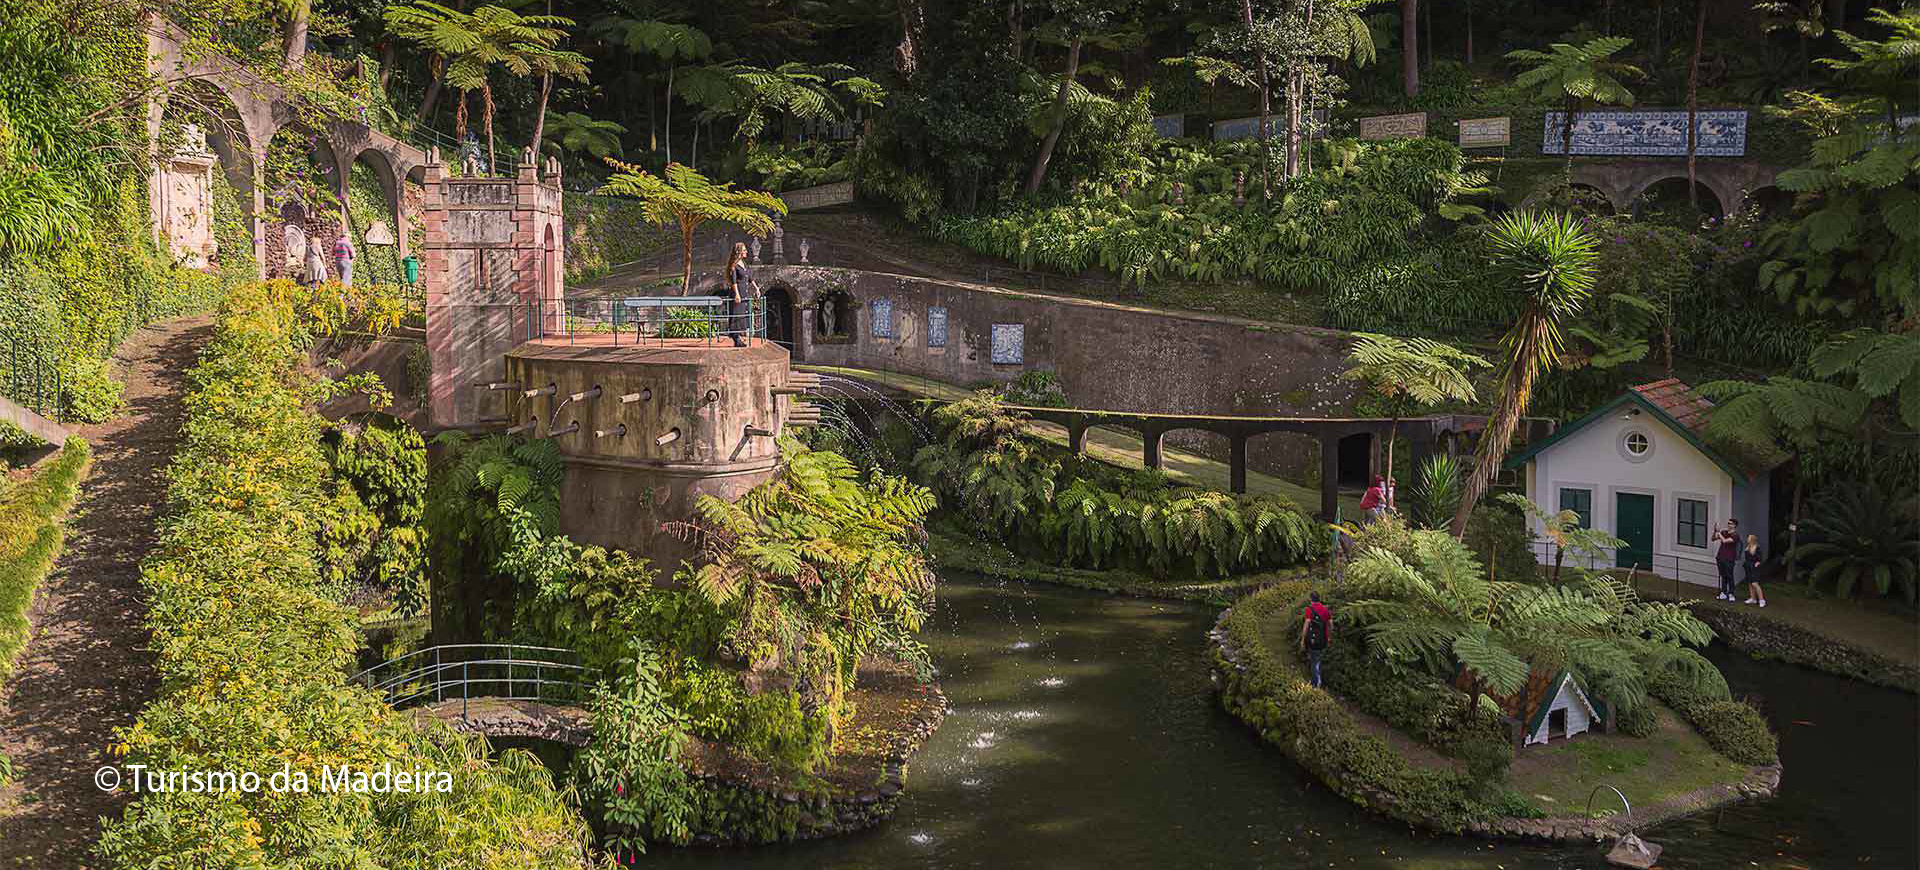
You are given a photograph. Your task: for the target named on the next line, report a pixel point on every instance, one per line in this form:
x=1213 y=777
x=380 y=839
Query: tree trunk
x=486 y=123
x=1469 y=32
x=1293 y=122
x=1410 y=47
x=1793 y=525
x=1266 y=102
x=668 y=138
x=1016 y=29
x=1427 y=37
x=686 y=258
x=438 y=71
x=1522 y=374
x=460 y=121
x=1393 y=434
x=388 y=57
x=1566 y=143
x=294 y=38
x=913 y=28
x=693 y=155
x=540 y=113
x=1693 y=104
x=1059 y=122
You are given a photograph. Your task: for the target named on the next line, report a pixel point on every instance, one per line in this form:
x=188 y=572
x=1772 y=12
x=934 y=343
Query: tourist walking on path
x=1315 y=629
x=745 y=290
x=343 y=257
x=1728 y=553
x=316 y=262
x=1374 y=501
x=1750 y=559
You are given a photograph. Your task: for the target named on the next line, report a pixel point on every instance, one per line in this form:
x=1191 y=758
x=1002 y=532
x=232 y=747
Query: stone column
x=1329 y=476
x=1237 y=464
x=1151 y=454
x=1077 y=438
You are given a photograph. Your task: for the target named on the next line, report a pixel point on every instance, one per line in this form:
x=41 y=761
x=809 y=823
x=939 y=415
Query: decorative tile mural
x=881 y=312
x=936 y=327
x=1009 y=343
x=1723 y=133
x=1170 y=126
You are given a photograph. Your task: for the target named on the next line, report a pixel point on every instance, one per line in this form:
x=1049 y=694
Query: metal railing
x=1680 y=569
x=633 y=320
x=472 y=670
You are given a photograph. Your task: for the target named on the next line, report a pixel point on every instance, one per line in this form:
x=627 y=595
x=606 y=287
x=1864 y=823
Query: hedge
x=1265 y=684
x=1733 y=728
x=254 y=649
x=32 y=530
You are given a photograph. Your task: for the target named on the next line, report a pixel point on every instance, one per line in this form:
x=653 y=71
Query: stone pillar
x=482 y=262
x=1237 y=464
x=1329 y=476
x=1151 y=455
x=1077 y=438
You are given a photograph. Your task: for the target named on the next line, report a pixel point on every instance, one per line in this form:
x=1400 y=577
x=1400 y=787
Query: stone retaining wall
x=1756 y=635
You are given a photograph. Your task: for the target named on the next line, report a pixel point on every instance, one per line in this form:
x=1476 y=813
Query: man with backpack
x=1315 y=629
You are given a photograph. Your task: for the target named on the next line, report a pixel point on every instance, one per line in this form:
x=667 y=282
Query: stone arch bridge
x=259 y=110
x=1622 y=182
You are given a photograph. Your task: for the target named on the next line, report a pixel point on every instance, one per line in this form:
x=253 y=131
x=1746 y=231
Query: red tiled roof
x=1679 y=401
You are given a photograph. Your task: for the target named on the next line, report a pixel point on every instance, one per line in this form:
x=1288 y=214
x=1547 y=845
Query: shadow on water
x=1085 y=734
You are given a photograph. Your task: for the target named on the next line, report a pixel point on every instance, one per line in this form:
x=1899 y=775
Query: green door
x=1633 y=523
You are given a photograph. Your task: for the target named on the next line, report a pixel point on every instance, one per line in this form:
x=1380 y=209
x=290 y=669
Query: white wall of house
x=1579 y=718
x=1596 y=459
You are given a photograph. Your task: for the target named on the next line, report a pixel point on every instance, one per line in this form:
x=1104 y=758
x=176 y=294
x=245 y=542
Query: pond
x=1085 y=734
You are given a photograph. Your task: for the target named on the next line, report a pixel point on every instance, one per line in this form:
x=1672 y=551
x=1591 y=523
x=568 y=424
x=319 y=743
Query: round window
x=1637 y=444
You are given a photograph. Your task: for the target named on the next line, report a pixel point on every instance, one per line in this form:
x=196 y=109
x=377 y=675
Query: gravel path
x=88 y=668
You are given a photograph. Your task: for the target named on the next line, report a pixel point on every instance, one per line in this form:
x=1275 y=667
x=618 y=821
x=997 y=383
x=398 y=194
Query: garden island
x=1027 y=433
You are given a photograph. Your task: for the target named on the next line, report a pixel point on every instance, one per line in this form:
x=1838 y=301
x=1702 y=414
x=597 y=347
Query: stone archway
x=780 y=308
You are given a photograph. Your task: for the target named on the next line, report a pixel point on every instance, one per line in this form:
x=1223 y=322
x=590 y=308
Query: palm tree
x=689 y=199
x=1438 y=609
x=1783 y=413
x=673 y=44
x=573 y=132
x=549 y=62
x=1578 y=74
x=445 y=34
x=1548 y=259
x=1410 y=372
x=1859 y=537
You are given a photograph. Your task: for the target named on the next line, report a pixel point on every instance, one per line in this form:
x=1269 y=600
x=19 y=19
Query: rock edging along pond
x=1762 y=637
x=1268 y=689
x=756 y=807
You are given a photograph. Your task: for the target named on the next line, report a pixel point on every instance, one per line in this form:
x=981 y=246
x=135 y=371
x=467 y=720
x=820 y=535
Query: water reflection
x=1084 y=734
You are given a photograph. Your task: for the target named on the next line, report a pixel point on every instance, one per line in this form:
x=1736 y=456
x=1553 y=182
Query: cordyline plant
x=689 y=199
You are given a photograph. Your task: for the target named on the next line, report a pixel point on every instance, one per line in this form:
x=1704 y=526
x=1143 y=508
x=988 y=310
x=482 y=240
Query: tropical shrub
x=386 y=468
x=32 y=529
x=1733 y=728
x=1440 y=613
x=1365 y=206
x=1006 y=485
x=253 y=645
x=1437 y=493
x=1860 y=537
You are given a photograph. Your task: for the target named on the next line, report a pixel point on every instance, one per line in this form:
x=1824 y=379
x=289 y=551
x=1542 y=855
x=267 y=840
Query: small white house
x=1564 y=715
x=1641 y=468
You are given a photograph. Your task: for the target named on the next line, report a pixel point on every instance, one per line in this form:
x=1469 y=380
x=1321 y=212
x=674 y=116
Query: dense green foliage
x=32 y=529
x=1734 y=728
x=1366 y=207
x=379 y=544
x=604 y=233
x=1010 y=487
x=252 y=647
x=1434 y=609
x=1862 y=538
x=805 y=577
x=1266 y=685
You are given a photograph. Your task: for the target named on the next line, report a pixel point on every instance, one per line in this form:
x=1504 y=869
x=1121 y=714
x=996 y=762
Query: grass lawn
x=1118 y=448
x=1558 y=776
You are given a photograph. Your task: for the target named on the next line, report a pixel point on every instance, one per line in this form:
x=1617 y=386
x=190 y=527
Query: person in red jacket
x=1374 y=502
x=1316 y=629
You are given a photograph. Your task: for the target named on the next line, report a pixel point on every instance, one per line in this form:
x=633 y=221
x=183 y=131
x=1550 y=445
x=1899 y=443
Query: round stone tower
x=645 y=430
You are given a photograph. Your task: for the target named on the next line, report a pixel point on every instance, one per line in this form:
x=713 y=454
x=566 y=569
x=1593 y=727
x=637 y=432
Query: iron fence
x=633 y=320
x=466 y=671
x=1682 y=570
x=34 y=363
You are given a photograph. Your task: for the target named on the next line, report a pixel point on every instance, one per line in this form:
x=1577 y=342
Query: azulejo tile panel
x=1009 y=343
x=882 y=313
x=936 y=326
x=1723 y=133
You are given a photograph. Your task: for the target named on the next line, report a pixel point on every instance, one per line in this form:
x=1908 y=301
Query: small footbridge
x=499 y=690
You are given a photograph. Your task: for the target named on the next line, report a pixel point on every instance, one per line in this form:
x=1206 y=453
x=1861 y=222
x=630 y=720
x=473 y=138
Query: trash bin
x=412 y=265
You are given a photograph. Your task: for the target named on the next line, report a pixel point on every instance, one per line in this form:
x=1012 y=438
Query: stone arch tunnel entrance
x=780 y=317
x=1356 y=460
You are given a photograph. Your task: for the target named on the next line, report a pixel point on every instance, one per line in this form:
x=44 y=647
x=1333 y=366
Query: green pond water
x=1085 y=734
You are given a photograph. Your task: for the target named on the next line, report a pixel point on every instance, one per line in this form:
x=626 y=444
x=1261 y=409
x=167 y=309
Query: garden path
x=88 y=668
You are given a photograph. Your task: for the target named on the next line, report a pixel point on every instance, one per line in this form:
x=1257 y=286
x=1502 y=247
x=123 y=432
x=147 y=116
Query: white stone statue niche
x=185 y=186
